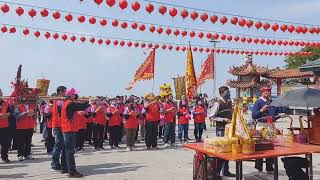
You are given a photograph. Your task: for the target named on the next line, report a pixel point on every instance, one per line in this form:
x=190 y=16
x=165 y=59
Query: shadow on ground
x=108 y=168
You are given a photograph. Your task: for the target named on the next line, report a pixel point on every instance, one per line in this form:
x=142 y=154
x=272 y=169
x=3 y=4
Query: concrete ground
x=162 y=164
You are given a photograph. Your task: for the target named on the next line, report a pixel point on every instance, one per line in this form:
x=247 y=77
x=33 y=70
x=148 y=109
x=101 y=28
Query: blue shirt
x=257 y=114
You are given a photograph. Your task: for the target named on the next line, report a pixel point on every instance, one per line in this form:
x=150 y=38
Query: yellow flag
x=191 y=80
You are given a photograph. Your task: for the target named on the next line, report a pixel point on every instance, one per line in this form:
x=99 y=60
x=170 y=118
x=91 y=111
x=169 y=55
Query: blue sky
x=101 y=70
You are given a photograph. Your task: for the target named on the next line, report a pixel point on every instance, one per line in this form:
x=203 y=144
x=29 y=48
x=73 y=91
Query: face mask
x=227 y=95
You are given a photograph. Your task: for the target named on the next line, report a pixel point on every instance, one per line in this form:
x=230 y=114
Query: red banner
x=207 y=70
x=145 y=71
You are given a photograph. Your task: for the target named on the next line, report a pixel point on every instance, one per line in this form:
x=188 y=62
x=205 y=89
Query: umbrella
x=304 y=97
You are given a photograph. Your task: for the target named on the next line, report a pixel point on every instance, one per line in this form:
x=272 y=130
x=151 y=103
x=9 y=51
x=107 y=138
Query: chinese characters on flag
x=191 y=80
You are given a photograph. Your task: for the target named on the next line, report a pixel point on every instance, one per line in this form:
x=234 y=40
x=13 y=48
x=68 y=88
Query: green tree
x=296 y=61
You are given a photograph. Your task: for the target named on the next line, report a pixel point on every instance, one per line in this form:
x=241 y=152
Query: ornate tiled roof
x=249 y=69
x=250 y=84
x=288 y=74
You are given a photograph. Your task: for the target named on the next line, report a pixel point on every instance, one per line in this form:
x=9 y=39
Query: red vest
x=132 y=122
x=183 y=119
x=153 y=113
x=4 y=123
x=25 y=122
x=100 y=117
x=66 y=126
x=199 y=118
x=115 y=119
x=169 y=116
x=49 y=121
x=56 y=119
x=82 y=121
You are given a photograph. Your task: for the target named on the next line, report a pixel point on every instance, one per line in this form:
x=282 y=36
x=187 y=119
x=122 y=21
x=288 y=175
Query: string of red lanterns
x=27 y=31
x=237 y=20
x=168 y=30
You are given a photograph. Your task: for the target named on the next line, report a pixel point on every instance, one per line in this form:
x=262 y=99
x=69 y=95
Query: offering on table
x=248 y=147
x=217 y=144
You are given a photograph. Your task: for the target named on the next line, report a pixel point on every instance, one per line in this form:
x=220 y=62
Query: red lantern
x=229 y=38
x=83 y=39
x=280 y=53
x=261 y=53
x=142 y=27
x=234 y=20
x=204 y=17
x=168 y=31
x=217 y=51
x=12 y=30
x=123 y=4
x=236 y=38
x=160 y=30
x=47 y=35
x=56 y=15
x=68 y=17
x=122 y=43
x=103 y=22
x=299 y=29
x=44 y=12
x=5 y=8
x=256 y=40
x=19 y=11
x=273 y=42
x=243 y=39
x=262 y=41
x=236 y=51
x=283 y=27
x=152 y=28
x=55 y=36
x=207 y=50
x=26 y=31
x=249 y=23
x=266 y=26
x=268 y=41
x=201 y=50
x=275 y=53
x=291 y=28
x=108 y=41
x=124 y=25
x=170 y=47
x=115 y=42
x=164 y=47
x=285 y=42
x=301 y=43
x=81 y=19
x=32 y=13
x=184 y=33
x=135 y=6
x=214 y=19
x=98 y=2
x=223 y=37
x=136 y=44
x=176 y=32
x=92 y=20
x=223 y=51
x=279 y=42
x=150 y=45
x=291 y=43
x=242 y=22
x=192 y=34
x=200 y=35
x=162 y=9
x=270 y=53
x=275 y=27
x=64 y=37
x=149 y=8
x=305 y=29
x=195 y=49
x=223 y=20
x=258 y=24
x=111 y=3
x=194 y=15
x=156 y=46
x=134 y=25
x=92 y=40
x=307 y=44
x=228 y=51
x=129 y=44
x=143 y=45
x=249 y=40
x=256 y=53
x=296 y=43
x=177 y=48
x=184 y=13
x=173 y=12
x=312 y=30
x=73 y=38
x=209 y=35
x=37 y=34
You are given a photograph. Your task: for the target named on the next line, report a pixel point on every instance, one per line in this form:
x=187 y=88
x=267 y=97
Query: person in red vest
x=152 y=107
x=115 y=119
x=131 y=123
x=199 y=116
x=58 y=149
x=4 y=129
x=26 y=121
x=100 y=119
x=82 y=132
x=170 y=112
x=184 y=116
x=47 y=114
x=69 y=127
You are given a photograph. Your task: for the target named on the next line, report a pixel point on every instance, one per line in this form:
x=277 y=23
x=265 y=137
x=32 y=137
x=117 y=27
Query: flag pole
x=214 y=81
x=154 y=61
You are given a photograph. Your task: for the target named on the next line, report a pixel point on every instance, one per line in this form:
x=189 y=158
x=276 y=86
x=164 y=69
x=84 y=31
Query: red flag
x=145 y=71
x=207 y=70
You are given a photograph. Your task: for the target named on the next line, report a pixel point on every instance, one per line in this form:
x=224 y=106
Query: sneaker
x=55 y=169
x=29 y=157
x=64 y=171
x=20 y=158
x=128 y=148
x=166 y=145
x=75 y=175
x=6 y=160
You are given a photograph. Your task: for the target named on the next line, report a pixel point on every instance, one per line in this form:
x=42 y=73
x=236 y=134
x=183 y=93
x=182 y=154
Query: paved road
x=163 y=164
